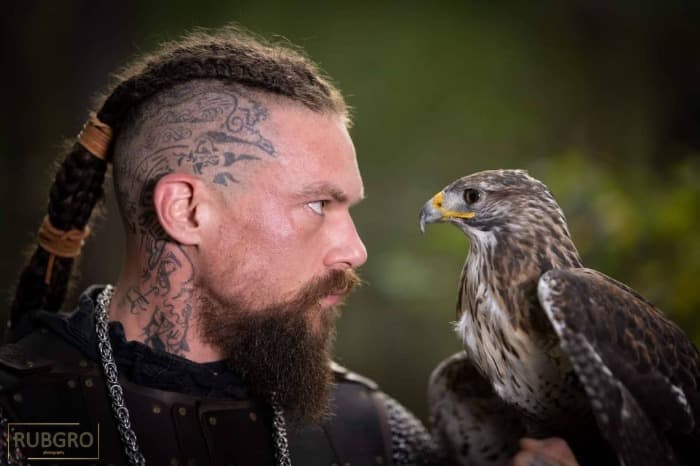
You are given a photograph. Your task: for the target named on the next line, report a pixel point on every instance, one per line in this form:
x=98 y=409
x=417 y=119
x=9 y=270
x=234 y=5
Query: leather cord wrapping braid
x=95 y=137
x=59 y=243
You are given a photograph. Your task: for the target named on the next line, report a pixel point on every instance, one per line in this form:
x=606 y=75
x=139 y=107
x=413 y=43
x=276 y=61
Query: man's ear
x=181 y=202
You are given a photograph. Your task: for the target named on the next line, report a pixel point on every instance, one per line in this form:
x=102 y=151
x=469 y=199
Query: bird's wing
x=469 y=422
x=639 y=370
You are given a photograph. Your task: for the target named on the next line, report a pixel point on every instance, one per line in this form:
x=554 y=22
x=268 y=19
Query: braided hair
x=229 y=56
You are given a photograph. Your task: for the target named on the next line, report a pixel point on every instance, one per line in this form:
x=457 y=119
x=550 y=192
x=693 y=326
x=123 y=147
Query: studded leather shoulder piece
x=357 y=432
x=20 y=359
x=44 y=351
x=342 y=374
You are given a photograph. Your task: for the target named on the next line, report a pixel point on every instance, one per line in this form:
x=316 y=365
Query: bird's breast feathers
x=522 y=372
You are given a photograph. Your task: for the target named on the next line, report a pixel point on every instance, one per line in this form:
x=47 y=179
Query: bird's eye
x=317 y=206
x=471 y=196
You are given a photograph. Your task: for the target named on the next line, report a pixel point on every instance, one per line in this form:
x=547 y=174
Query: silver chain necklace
x=279 y=435
x=121 y=413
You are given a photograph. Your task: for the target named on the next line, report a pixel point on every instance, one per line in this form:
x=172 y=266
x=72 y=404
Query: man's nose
x=347 y=247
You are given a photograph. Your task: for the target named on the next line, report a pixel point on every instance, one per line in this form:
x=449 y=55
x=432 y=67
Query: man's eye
x=317 y=206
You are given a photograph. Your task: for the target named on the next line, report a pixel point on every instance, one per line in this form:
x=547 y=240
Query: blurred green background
x=600 y=100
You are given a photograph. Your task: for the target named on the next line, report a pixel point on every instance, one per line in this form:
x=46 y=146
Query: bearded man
x=234 y=174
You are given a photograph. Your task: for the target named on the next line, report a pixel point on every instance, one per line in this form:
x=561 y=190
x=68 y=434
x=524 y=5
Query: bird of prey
x=552 y=348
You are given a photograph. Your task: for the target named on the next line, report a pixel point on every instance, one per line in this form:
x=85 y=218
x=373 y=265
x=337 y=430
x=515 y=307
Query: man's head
x=234 y=174
x=256 y=188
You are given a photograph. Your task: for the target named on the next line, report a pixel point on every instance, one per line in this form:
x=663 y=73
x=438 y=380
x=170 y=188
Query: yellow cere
x=438 y=200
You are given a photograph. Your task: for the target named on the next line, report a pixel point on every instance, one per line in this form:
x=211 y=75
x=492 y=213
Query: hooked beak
x=434 y=211
x=430 y=213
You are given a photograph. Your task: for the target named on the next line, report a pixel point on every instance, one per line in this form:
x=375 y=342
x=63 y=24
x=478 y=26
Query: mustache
x=342 y=282
x=337 y=282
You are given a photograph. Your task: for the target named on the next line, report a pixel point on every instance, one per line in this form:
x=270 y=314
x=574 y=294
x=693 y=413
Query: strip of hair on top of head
x=229 y=55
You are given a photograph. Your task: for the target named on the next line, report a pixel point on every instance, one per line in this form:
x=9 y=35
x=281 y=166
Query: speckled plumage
x=564 y=351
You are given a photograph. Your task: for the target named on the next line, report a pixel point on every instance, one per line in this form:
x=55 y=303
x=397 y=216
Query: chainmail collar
x=120 y=411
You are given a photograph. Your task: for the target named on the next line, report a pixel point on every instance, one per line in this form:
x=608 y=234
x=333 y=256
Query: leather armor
x=45 y=379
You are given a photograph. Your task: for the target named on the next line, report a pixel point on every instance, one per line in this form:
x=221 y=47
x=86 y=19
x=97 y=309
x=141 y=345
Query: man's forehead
x=315 y=156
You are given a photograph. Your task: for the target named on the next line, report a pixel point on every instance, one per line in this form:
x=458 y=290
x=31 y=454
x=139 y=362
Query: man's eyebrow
x=323 y=190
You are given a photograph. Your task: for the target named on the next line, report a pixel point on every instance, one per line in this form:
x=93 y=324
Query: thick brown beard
x=277 y=349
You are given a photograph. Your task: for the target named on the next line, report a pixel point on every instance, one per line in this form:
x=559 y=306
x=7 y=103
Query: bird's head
x=490 y=202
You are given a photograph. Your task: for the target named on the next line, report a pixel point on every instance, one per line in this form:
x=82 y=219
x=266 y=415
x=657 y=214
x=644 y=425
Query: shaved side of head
x=208 y=129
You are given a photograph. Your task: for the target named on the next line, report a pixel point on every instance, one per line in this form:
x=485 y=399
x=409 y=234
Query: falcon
x=552 y=348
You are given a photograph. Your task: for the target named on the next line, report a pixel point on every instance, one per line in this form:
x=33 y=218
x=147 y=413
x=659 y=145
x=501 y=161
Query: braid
x=76 y=189
x=229 y=56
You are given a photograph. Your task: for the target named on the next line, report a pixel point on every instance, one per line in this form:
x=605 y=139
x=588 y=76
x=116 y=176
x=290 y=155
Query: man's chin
x=322 y=318
x=287 y=352
x=284 y=348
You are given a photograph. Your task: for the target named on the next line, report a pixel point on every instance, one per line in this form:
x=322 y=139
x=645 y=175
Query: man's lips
x=331 y=300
